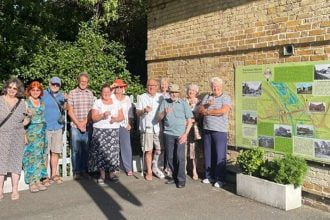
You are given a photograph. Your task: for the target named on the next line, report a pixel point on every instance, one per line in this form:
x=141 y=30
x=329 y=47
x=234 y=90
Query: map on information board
x=284 y=108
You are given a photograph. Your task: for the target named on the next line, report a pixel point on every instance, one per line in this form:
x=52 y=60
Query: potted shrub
x=276 y=183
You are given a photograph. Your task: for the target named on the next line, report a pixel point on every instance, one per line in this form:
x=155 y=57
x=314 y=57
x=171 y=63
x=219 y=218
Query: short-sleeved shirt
x=101 y=108
x=82 y=102
x=149 y=122
x=175 y=121
x=126 y=105
x=52 y=111
x=216 y=123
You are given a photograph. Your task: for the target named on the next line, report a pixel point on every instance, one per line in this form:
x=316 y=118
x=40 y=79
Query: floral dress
x=35 y=151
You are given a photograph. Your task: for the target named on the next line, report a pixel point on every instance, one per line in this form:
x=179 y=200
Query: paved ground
x=134 y=198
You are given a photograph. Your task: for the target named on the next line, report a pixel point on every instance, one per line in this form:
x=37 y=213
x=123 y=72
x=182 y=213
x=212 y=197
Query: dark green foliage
x=286 y=170
x=130 y=29
x=251 y=160
x=27 y=26
x=103 y=60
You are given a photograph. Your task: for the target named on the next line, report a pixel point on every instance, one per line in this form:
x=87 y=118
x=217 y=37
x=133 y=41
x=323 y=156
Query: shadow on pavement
x=110 y=208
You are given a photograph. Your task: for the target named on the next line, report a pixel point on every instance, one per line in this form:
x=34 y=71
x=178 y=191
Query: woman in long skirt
x=104 y=152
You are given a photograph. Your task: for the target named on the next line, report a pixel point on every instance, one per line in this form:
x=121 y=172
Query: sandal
x=34 y=188
x=57 y=179
x=148 y=177
x=15 y=196
x=41 y=187
x=47 y=182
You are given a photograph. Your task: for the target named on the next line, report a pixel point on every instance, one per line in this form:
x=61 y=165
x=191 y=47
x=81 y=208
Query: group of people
x=171 y=130
x=30 y=131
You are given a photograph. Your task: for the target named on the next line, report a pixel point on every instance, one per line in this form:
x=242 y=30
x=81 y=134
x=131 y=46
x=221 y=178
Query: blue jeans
x=79 y=151
x=215 y=152
x=176 y=157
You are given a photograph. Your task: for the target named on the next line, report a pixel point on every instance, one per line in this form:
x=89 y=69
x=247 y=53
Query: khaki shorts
x=55 y=142
x=149 y=140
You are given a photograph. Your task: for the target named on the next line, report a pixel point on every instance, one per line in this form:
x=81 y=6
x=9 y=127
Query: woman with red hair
x=35 y=151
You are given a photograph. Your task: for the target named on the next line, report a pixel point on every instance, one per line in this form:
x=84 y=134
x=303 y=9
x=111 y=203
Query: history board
x=284 y=108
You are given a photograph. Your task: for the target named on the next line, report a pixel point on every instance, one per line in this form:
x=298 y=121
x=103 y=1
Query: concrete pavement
x=135 y=198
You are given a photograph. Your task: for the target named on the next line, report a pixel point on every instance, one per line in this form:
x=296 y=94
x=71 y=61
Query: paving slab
x=135 y=198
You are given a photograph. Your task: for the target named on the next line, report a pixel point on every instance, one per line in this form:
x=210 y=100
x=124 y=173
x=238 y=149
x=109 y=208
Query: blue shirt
x=175 y=121
x=52 y=112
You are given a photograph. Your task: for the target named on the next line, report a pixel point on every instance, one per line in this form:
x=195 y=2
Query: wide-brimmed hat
x=174 y=88
x=119 y=83
x=55 y=80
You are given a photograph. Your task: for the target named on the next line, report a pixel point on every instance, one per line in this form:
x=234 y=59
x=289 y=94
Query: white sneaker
x=206 y=181
x=219 y=184
x=100 y=181
x=158 y=173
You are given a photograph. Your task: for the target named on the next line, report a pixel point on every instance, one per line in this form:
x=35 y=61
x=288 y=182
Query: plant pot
x=274 y=194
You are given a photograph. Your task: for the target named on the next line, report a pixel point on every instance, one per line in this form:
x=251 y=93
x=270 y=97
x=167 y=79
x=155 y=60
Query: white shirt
x=149 y=121
x=126 y=105
x=101 y=108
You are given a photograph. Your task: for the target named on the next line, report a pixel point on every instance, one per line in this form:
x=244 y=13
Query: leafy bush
x=251 y=160
x=284 y=170
x=287 y=170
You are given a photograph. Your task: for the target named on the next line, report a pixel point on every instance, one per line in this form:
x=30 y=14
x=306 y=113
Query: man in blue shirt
x=54 y=103
x=177 y=123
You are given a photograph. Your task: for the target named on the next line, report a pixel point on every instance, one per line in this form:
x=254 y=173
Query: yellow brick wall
x=193 y=40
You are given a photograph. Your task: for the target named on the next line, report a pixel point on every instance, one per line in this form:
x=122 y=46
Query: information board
x=284 y=108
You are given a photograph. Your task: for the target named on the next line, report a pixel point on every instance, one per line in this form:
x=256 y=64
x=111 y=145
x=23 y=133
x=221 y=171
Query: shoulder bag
x=10 y=113
x=61 y=120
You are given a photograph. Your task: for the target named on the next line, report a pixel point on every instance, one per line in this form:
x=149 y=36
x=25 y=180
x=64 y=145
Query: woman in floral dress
x=35 y=151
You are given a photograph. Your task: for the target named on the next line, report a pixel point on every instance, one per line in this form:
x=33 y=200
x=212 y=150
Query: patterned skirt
x=35 y=154
x=104 y=150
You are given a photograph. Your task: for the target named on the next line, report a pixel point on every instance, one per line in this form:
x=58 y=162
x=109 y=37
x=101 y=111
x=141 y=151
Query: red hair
x=34 y=84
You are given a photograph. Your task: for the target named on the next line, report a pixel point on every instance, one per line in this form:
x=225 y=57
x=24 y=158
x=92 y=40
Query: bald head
x=152 y=86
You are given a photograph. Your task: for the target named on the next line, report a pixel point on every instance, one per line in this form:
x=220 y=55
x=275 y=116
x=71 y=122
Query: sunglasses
x=10 y=87
x=56 y=84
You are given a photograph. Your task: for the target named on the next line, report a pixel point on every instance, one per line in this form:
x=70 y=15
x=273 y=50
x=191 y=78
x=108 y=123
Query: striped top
x=216 y=123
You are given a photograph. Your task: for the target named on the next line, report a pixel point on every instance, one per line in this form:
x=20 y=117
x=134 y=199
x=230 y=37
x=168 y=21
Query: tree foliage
x=42 y=38
x=27 y=26
x=91 y=52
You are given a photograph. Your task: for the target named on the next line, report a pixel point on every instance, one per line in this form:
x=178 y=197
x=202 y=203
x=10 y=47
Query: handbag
x=61 y=119
x=10 y=113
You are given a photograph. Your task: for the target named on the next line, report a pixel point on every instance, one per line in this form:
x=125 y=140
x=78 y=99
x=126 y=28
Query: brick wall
x=192 y=40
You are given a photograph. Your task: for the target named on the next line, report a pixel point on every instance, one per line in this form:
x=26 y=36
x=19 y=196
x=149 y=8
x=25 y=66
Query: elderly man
x=215 y=108
x=178 y=121
x=80 y=102
x=54 y=110
x=146 y=107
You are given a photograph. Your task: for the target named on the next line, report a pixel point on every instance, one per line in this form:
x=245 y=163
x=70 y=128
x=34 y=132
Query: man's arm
x=183 y=137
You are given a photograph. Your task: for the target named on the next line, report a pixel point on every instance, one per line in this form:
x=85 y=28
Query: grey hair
x=19 y=85
x=83 y=74
x=216 y=80
x=193 y=87
x=164 y=79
